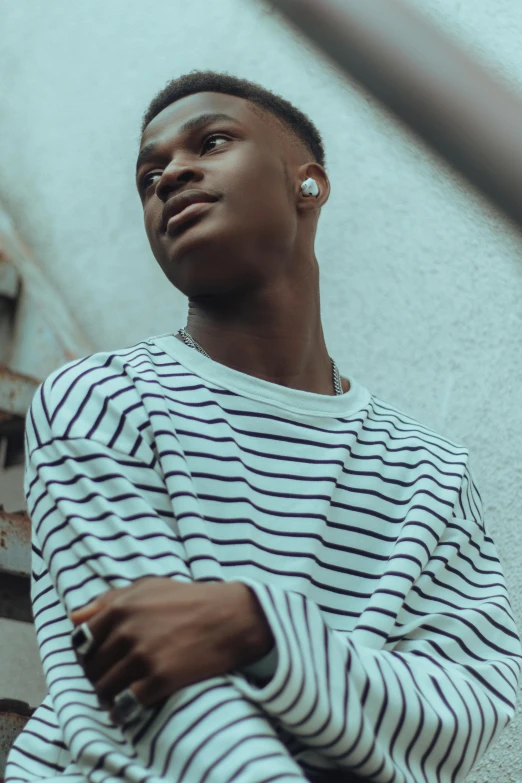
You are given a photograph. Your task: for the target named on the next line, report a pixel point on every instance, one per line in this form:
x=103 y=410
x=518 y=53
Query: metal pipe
x=453 y=102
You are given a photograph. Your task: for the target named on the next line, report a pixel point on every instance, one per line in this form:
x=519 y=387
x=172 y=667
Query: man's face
x=244 y=237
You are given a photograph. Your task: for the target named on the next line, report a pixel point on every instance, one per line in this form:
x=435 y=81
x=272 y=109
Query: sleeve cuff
x=286 y=670
x=264 y=668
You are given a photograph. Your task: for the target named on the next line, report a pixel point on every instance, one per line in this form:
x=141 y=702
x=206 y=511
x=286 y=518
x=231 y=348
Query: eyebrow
x=191 y=125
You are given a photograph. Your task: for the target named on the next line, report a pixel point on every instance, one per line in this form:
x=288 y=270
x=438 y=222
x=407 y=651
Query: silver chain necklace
x=188 y=340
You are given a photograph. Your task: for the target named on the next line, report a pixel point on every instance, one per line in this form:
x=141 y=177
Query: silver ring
x=82 y=639
x=126 y=707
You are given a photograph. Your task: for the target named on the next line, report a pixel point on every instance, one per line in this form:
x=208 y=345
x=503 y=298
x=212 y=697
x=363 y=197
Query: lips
x=178 y=203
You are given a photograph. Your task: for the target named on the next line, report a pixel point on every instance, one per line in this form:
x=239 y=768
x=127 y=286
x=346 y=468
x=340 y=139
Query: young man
x=246 y=567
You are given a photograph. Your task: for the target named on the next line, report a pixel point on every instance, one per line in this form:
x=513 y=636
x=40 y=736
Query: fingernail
x=86 y=608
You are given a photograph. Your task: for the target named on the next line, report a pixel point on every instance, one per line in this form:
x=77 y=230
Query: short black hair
x=292 y=119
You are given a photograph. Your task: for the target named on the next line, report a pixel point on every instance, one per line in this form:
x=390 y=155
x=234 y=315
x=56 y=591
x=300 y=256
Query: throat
x=345 y=384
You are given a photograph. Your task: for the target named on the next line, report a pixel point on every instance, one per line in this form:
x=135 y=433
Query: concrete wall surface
x=421 y=281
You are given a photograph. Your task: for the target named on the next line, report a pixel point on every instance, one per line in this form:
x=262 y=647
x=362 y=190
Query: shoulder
x=404 y=432
x=418 y=455
x=77 y=395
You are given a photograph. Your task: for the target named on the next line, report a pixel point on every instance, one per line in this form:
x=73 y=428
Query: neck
x=275 y=335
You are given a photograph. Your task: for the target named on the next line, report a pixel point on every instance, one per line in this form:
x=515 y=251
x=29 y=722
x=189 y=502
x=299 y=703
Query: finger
x=84 y=613
x=101 y=624
x=120 y=676
x=149 y=693
x=108 y=654
x=136 y=688
x=152 y=690
x=82 y=641
x=100 y=602
x=98 y=626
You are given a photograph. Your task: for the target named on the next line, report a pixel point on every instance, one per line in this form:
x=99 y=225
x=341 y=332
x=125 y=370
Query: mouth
x=197 y=208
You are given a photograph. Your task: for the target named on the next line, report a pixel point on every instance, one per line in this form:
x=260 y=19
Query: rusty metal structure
x=37 y=335
x=14 y=714
x=464 y=113
x=15 y=566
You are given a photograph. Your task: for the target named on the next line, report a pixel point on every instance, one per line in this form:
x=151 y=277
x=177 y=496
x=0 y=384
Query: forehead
x=167 y=124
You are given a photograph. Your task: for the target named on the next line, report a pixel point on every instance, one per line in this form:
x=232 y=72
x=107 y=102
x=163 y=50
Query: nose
x=175 y=176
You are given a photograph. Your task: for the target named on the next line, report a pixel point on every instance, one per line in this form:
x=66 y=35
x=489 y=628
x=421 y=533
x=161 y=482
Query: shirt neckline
x=295 y=400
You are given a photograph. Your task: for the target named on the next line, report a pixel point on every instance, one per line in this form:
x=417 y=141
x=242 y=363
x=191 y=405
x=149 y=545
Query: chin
x=203 y=259
x=208 y=284
x=208 y=276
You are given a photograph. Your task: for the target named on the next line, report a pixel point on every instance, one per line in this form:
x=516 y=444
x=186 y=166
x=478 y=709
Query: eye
x=144 y=184
x=146 y=179
x=212 y=136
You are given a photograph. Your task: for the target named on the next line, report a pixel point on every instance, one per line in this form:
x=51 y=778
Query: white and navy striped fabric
x=360 y=531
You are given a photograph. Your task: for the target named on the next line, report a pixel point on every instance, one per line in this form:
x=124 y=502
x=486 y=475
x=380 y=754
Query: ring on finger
x=82 y=639
x=126 y=707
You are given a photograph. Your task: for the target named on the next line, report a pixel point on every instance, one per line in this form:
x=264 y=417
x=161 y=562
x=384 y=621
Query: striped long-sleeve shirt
x=359 y=530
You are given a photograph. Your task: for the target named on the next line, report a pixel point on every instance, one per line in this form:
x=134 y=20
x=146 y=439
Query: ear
x=316 y=172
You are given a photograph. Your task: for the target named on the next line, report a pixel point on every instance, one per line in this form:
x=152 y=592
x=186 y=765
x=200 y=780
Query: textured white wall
x=421 y=281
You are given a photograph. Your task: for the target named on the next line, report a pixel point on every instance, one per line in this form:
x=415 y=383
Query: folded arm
x=103 y=519
x=426 y=702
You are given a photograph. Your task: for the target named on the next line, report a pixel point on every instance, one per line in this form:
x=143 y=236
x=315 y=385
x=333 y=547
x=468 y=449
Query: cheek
x=151 y=217
x=264 y=228
x=261 y=205
x=253 y=184
x=272 y=213
x=152 y=214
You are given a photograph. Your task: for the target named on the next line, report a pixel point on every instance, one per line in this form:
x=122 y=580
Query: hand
x=159 y=635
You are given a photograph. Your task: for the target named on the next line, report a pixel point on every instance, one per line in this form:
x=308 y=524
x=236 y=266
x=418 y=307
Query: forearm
x=205 y=730
x=102 y=520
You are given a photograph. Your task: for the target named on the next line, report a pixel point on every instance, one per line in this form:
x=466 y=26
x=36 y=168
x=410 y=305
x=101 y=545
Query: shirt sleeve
x=426 y=703
x=101 y=519
x=264 y=668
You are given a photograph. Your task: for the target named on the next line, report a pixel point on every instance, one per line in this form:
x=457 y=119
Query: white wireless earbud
x=309 y=187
